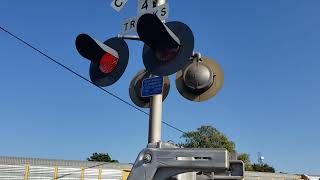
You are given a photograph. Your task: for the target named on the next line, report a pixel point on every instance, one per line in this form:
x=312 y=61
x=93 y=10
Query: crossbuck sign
x=118 y=4
x=144 y=7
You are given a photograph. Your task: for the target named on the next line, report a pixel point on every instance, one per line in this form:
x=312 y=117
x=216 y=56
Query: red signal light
x=167 y=54
x=108 y=63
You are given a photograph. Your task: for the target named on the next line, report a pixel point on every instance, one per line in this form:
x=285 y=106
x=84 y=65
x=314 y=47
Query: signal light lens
x=167 y=54
x=108 y=63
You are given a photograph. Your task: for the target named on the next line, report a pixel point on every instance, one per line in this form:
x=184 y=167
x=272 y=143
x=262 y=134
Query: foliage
x=246 y=159
x=101 y=157
x=207 y=137
x=254 y=167
x=210 y=137
x=262 y=168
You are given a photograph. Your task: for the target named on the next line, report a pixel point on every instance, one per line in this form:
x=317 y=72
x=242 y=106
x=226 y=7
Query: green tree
x=101 y=157
x=244 y=157
x=210 y=137
x=207 y=137
x=262 y=168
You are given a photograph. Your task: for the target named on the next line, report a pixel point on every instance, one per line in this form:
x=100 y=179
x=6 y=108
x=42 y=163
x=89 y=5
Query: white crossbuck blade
x=118 y=4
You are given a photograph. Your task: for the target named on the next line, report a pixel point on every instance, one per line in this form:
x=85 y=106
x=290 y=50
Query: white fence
x=28 y=172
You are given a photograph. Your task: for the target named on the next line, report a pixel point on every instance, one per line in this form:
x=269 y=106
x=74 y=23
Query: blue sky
x=269 y=51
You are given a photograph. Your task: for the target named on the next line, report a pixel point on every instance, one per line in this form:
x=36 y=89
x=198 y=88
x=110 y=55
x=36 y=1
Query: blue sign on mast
x=152 y=86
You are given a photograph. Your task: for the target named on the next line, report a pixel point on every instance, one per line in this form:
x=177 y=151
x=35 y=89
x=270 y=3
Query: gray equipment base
x=163 y=162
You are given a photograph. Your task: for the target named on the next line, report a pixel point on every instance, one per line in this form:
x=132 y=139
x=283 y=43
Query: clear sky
x=269 y=51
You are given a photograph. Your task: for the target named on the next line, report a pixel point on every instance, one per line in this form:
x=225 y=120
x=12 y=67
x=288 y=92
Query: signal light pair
x=167 y=49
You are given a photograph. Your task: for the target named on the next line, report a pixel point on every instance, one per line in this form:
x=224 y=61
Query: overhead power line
x=82 y=77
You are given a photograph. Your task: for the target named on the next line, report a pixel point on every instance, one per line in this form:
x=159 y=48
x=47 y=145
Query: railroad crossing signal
x=168 y=49
x=108 y=60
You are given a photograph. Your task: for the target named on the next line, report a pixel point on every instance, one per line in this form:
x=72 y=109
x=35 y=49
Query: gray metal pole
x=155 y=117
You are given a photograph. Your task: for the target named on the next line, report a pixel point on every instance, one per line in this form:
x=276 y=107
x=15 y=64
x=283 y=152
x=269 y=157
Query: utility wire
x=83 y=78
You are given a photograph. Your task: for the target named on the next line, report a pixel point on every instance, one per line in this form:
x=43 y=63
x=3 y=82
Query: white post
x=155 y=117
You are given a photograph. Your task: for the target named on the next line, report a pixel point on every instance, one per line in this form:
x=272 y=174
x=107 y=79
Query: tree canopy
x=254 y=167
x=101 y=157
x=263 y=168
x=207 y=137
x=246 y=159
x=210 y=137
